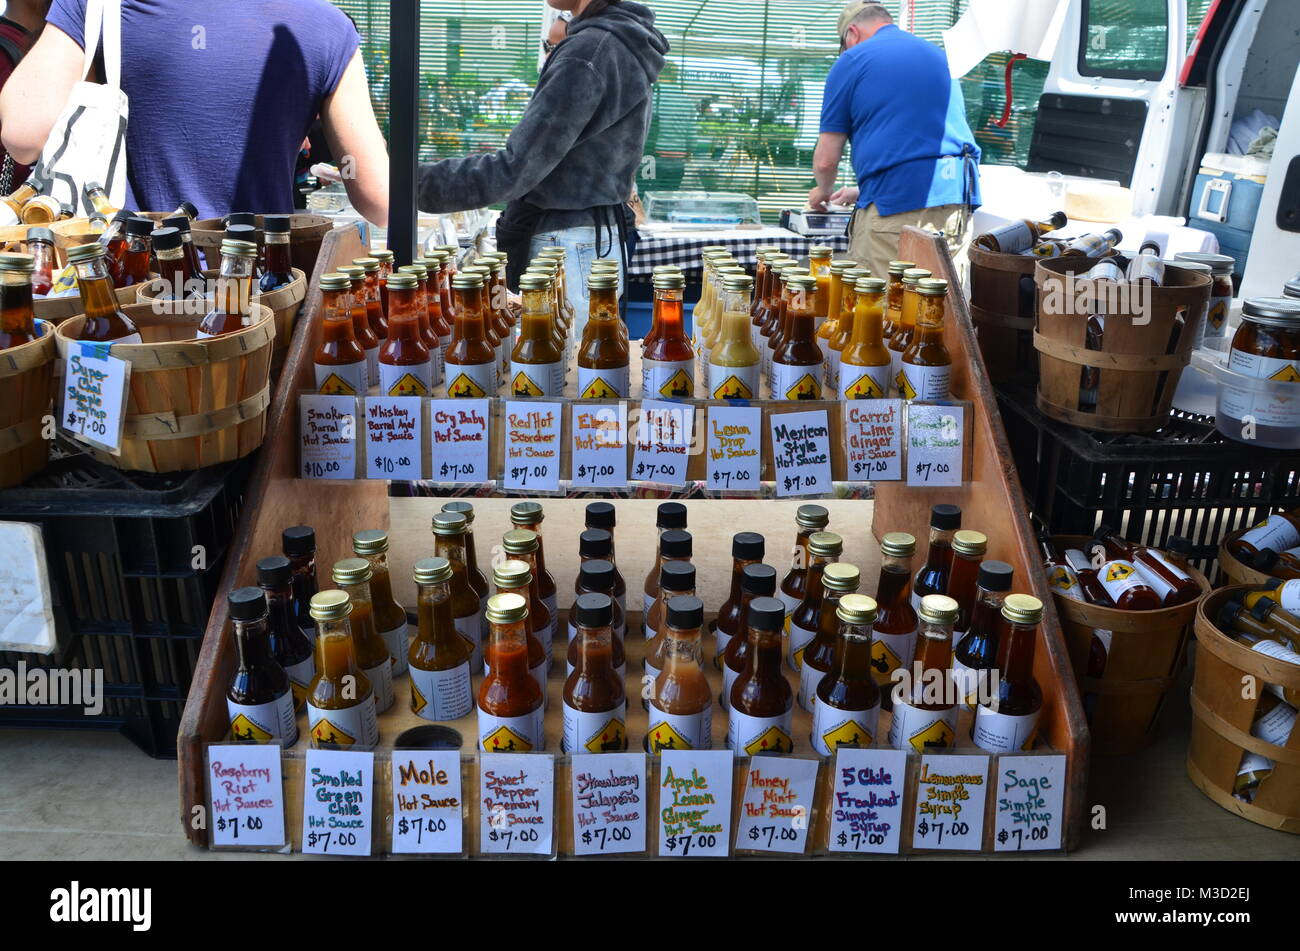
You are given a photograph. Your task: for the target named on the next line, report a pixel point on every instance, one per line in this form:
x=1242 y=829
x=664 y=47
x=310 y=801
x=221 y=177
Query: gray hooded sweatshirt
x=580 y=141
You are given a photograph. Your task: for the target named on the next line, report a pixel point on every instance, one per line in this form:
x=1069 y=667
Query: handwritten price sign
x=734 y=444
x=936 y=444
x=1030 y=803
x=394 y=437
x=94 y=395
x=246 y=793
x=950 y=797
x=327 y=436
x=338 y=802
x=516 y=803
x=695 y=803
x=801 y=453
x=427 y=818
x=873 y=440
x=867 y=800
x=663 y=442
x=777 y=805
x=532 y=446
x=609 y=803
x=599 y=458
x=459 y=430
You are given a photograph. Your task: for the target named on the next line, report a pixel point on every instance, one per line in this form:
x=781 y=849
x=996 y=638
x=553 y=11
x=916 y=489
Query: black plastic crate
x=1185 y=479
x=134 y=561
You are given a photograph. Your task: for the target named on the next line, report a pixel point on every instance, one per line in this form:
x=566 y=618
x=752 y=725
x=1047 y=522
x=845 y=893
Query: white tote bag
x=88 y=142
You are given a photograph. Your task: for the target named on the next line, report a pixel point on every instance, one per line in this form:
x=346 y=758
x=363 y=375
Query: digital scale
x=819 y=224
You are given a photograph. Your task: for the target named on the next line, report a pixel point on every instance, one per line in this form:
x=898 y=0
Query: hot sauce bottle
x=497 y=299
x=537 y=362
x=134 y=266
x=509 y=700
x=810 y=519
x=438 y=658
x=467 y=609
x=105 y=321
x=528 y=516
x=259 y=700
x=442 y=319
x=595 y=706
x=762 y=285
x=341 y=704
x=894 y=298
x=1007 y=722
x=676 y=580
x=667 y=360
x=1120 y=577
x=522 y=545
x=1273 y=722
x=1171 y=583
x=389 y=616
x=797 y=365
x=727 y=272
x=830 y=325
x=602 y=355
x=17 y=317
x=674 y=545
x=425 y=306
x=597 y=576
x=298 y=543
x=819 y=263
x=977 y=652
x=968 y=548
x=771 y=312
x=894 y=633
x=864 y=361
x=846 y=701
x=819 y=654
x=353 y=575
x=232 y=303
x=516 y=577
x=405 y=364
x=1060 y=576
x=933 y=576
x=471 y=360
x=277 y=267
x=1279 y=532
x=757 y=581
x=290 y=645
x=905 y=327
x=921 y=721
x=681 y=705
x=477 y=580
x=926 y=371
x=823 y=549
x=387 y=265
x=40 y=245
x=735 y=364
x=375 y=315
x=761 y=701
x=601 y=516
x=669 y=516
x=747 y=548
x=841 y=331
x=596 y=543
x=340 y=361
x=360 y=322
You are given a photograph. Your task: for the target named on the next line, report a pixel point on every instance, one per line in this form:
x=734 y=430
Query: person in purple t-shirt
x=221 y=97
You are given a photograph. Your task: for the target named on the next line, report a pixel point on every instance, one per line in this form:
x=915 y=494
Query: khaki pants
x=873 y=239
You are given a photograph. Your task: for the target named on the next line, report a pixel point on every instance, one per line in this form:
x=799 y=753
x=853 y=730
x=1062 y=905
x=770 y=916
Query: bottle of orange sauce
x=842 y=332
x=340 y=360
x=926 y=364
x=471 y=360
x=864 y=361
x=602 y=355
x=510 y=703
x=405 y=364
x=361 y=322
x=905 y=322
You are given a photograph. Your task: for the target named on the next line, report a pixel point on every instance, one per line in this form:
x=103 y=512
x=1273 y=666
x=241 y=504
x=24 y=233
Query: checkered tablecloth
x=683 y=247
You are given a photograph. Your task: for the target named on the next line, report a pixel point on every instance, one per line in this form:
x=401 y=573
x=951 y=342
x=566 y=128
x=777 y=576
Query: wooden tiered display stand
x=991 y=502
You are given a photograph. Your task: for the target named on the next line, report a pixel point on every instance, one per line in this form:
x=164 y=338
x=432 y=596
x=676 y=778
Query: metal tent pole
x=403 y=126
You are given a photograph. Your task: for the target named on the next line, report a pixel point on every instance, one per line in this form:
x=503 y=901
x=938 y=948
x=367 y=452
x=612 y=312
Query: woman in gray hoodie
x=568 y=167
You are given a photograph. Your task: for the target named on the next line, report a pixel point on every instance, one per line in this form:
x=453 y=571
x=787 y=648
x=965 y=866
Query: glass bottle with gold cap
x=809 y=519
x=923 y=722
x=537 y=362
x=610 y=266
x=772 y=319
x=471 y=361
x=340 y=360
x=510 y=703
x=497 y=298
x=968 y=548
x=667 y=360
x=259 y=698
x=830 y=325
x=818 y=655
x=104 y=321
x=926 y=363
x=439 y=658
x=522 y=545
x=375 y=314
x=846 y=700
x=864 y=362
x=390 y=617
x=477 y=580
x=11 y=205
x=352 y=575
x=894 y=296
x=735 y=365
x=405 y=364
x=842 y=329
x=361 y=321
x=906 y=321
x=516 y=577
x=443 y=320
x=17 y=316
x=233 y=302
x=602 y=355
x=894 y=631
x=387 y=265
x=819 y=264
x=529 y=516
x=761 y=285
x=712 y=256
x=824 y=548
x=1007 y=722
x=595 y=704
x=500 y=348
x=425 y=306
x=797 y=365
x=710 y=338
x=341 y=710
x=466 y=609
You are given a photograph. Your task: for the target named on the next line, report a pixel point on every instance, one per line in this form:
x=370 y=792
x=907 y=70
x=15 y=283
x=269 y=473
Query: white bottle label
x=301 y=675
x=372 y=366
x=536 y=379
x=352 y=726
x=381 y=679
x=1276 y=725
x=1274 y=533
x=800 y=637
x=752 y=735
x=604 y=732
x=891 y=651
x=511 y=734
x=720 y=641
x=926 y=731
x=264 y=722
x=1216 y=318
x=1012 y=238
x=834 y=729
x=809 y=678
x=471 y=381
x=1003 y=733
x=1062 y=580
x=1288 y=596
x=1276 y=407
x=1277 y=652
x=729 y=678
x=399 y=646
x=413 y=380
x=470 y=628
x=347 y=380
x=863 y=383
x=734 y=383
x=968 y=681
x=1118 y=576
x=796 y=383
x=667 y=379
x=602 y=384
x=679 y=731
x=924 y=383
x=441 y=694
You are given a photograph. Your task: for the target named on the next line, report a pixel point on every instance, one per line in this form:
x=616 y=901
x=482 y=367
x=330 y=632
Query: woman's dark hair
x=596 y=8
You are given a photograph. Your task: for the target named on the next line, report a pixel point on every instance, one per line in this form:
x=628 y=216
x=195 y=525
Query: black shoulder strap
x=10 y=49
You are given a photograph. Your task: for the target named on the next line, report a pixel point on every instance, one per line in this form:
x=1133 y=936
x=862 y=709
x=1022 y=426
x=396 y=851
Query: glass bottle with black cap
x=277 y=268
x=757 y=581
x=932 y=578
x=290 y=645
x=747 y=548
x=674 y=545
x=977 y=652
x=762 y=703
x=681 y=703
x=259 y=699
x=595 y=705
x=669 y=516
x=298 y=543
x=598 y=543
x=596 y=577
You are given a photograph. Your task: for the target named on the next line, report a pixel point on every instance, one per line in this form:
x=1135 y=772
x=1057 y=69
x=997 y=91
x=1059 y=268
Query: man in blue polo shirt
x=891 y=95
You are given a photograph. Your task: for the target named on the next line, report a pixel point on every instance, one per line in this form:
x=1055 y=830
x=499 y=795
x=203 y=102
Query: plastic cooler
x=1225 y=201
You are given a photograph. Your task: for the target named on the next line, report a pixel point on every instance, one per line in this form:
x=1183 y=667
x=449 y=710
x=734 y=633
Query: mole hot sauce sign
x=695 y=803
x=427 y=803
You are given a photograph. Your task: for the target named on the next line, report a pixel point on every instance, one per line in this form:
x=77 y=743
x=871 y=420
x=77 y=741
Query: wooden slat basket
x=1002 y=299
x=192 y=403
x=1138 y=375
x=1222 y=713
x=1236 y=571
x=1147 y=652
x=305 y=237
x=26 y=394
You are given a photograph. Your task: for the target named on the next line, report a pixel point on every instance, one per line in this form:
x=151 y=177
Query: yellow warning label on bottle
x=733 y=388
x=1060 y=578
x=807 y=387
x=505 y=740
x=599 y=389
x=679 y=386
x=522 y=385
x=849 y=734
x=1118 y=570
x=463 y=387
x=407 y=385
x=664 y=737
x=335 y=385
x=905 y=387
x=242 y=728
x=612 y=738
x=884 y=661
x=1217 y=313
x=772 y=740
x=326 y=732
x=1287 y=374
x=937 y=736
x=418 y=702
x=863 y=388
